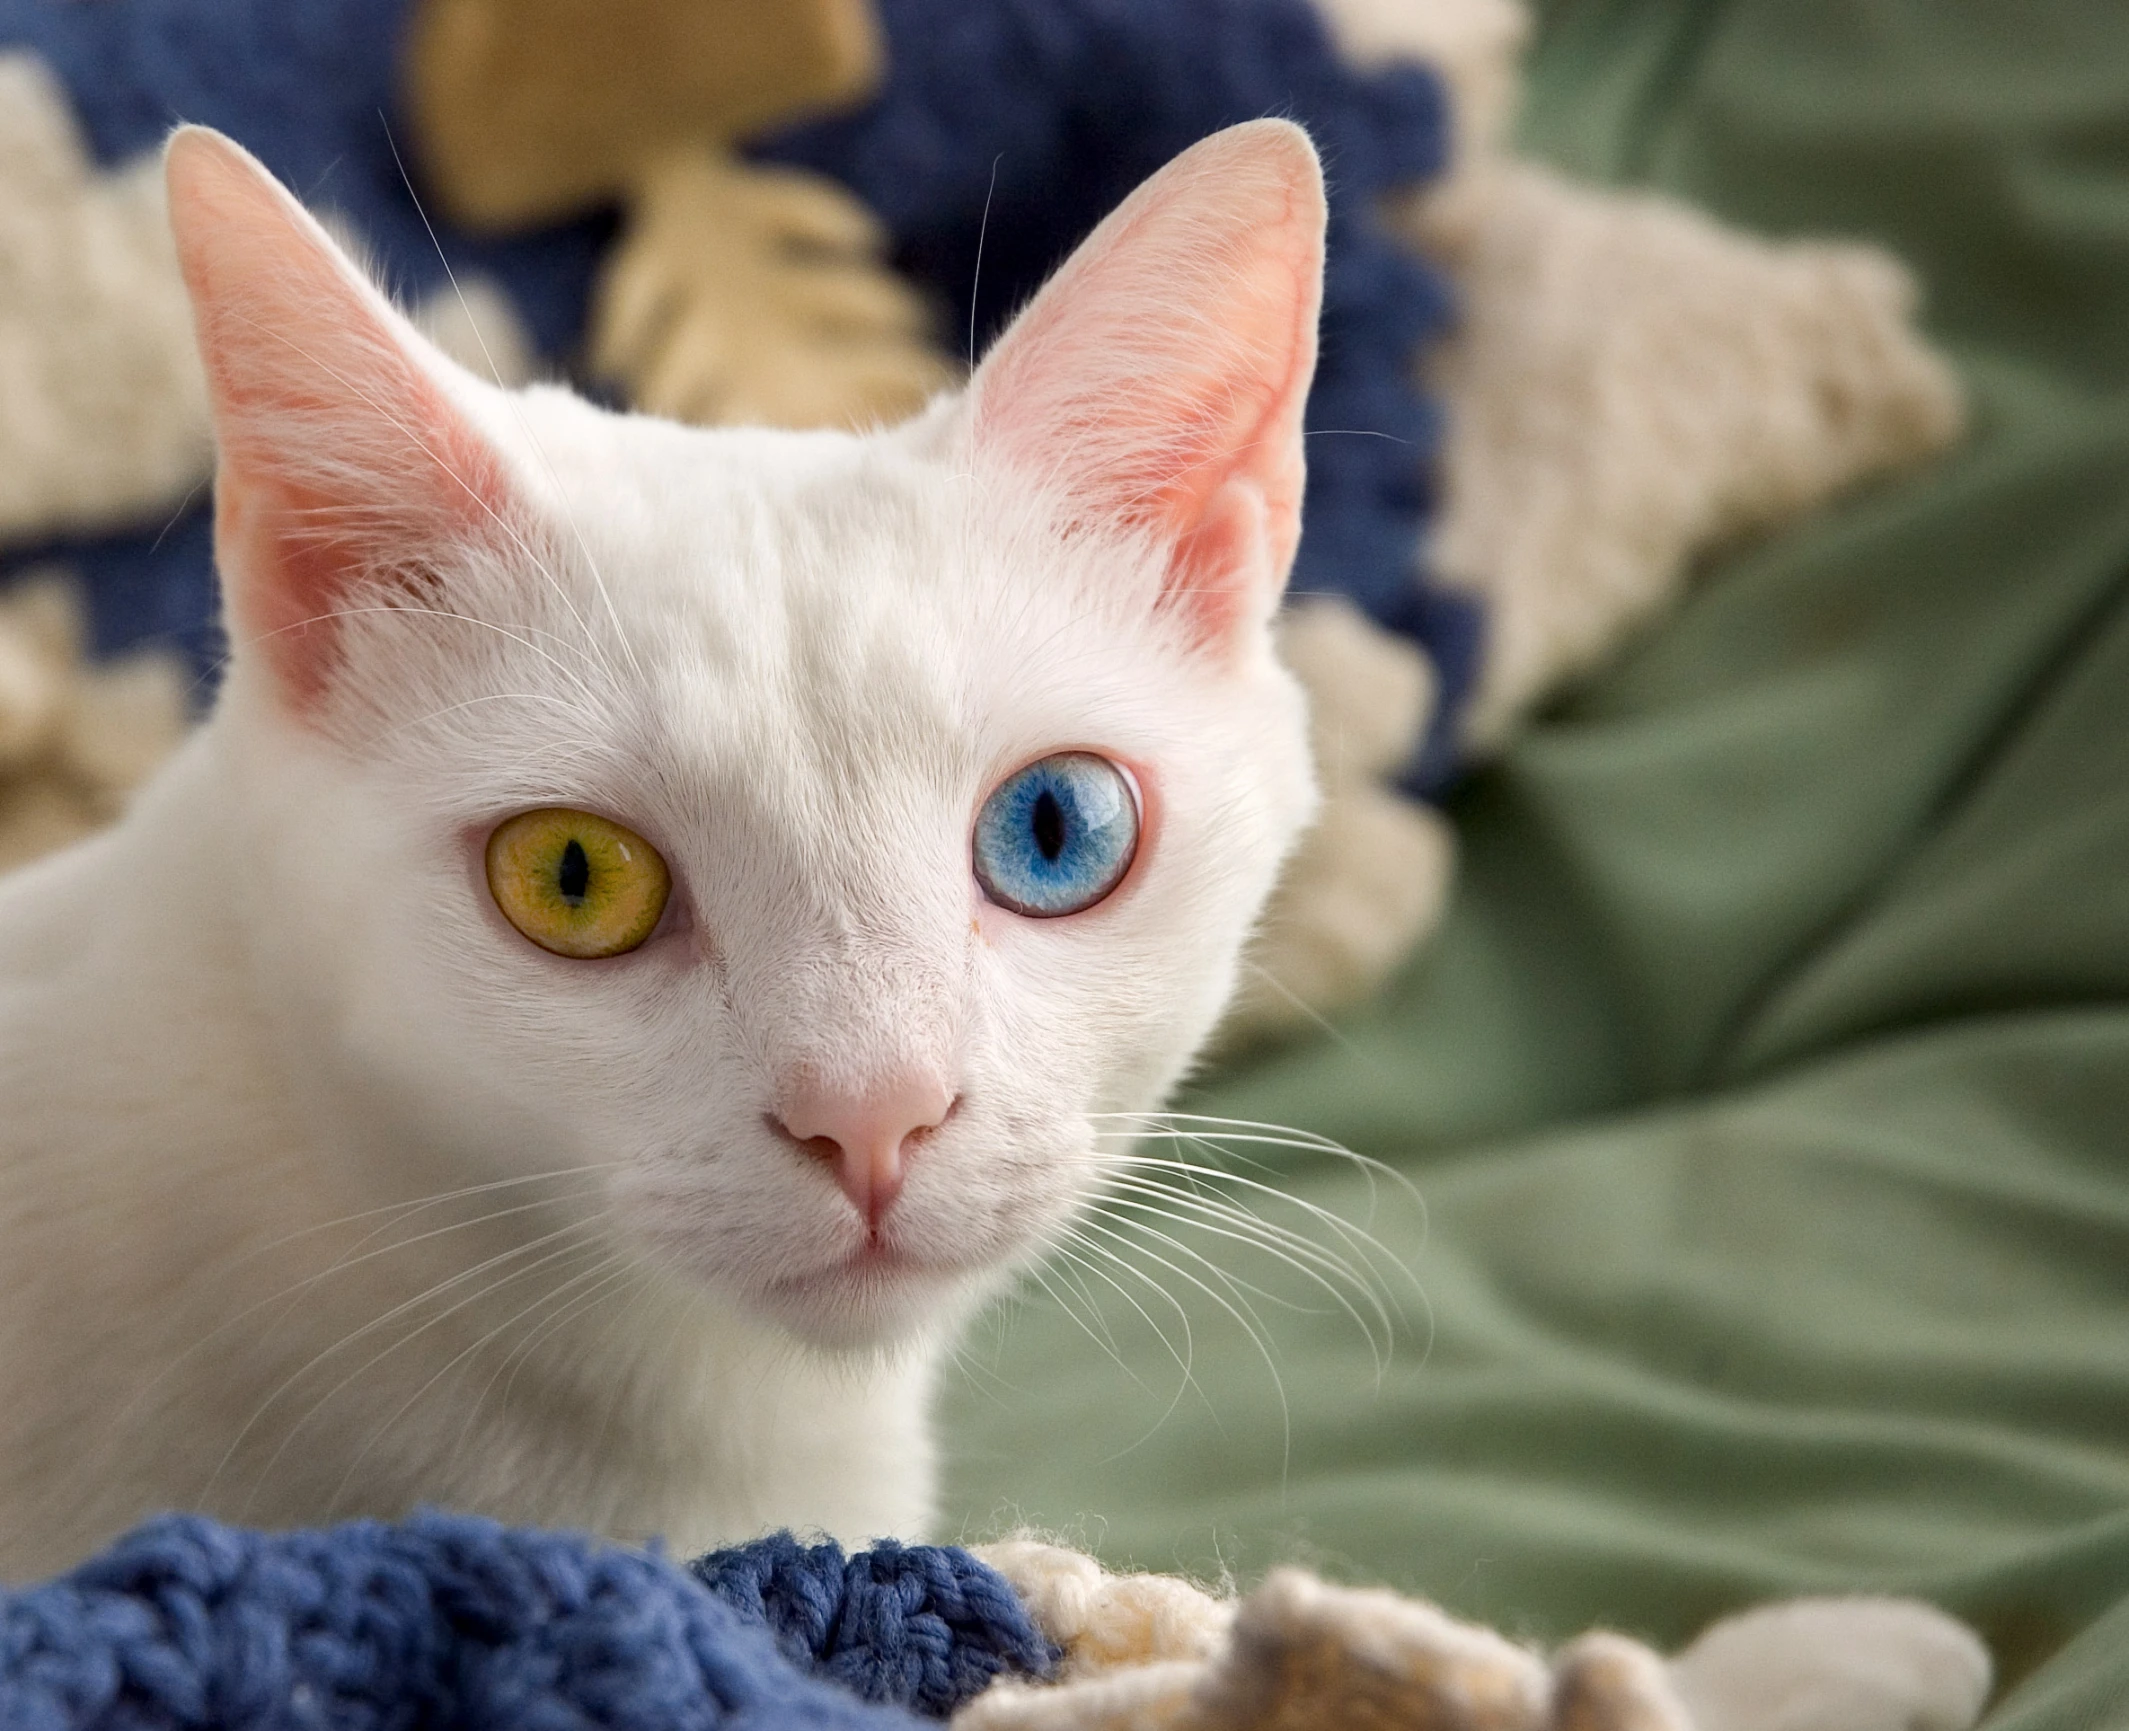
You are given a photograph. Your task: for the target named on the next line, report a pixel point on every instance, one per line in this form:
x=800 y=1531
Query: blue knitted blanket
x=1017 y=121
x=445 y=1621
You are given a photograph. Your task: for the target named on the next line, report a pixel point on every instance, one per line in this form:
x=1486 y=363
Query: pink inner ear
x=1159 y=379
x=343 y=459
x=291 y=554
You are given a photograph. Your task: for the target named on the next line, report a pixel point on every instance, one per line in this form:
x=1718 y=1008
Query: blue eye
x=1057 y=836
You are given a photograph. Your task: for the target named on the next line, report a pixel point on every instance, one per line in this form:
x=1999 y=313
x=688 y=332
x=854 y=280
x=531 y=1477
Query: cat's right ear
x=344 y=465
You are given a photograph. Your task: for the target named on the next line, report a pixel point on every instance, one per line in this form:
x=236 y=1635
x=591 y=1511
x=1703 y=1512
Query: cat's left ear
x=1156 y=384
x=346 y=467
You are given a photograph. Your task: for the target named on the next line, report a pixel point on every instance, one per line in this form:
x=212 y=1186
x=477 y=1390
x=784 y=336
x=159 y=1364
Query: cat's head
x=924 y=784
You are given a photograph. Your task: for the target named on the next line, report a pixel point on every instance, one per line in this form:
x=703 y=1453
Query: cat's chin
x=871 y=1300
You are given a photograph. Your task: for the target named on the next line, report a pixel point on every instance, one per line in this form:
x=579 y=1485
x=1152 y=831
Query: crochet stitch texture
x=447 y=1620
x=923 y=1626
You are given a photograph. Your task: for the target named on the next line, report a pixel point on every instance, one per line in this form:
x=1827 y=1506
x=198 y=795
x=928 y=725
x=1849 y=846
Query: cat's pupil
x=1049 y=825
x=575 y=876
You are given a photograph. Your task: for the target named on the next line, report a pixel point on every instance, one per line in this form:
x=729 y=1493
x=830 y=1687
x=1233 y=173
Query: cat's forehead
x=843 y=601
x=737 y=539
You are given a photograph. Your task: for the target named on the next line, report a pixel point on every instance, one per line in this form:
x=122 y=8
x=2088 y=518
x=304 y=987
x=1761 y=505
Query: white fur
x=243 y=1034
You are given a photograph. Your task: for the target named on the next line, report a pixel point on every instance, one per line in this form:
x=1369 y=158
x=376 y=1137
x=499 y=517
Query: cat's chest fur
x=661 y=923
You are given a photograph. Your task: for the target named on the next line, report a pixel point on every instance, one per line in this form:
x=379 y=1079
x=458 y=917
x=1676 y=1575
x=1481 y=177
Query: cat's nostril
x=867 y=1139
x=820 y=1147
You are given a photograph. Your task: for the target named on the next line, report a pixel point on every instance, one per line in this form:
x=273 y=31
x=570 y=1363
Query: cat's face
x=872 y=1050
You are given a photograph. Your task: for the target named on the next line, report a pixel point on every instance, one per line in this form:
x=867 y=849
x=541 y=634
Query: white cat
x=733 y=871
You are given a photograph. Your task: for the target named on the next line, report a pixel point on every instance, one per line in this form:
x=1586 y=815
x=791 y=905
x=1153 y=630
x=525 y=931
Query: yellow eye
x=576 y=884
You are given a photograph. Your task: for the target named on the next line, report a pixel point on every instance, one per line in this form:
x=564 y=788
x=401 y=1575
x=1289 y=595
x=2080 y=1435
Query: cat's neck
x=222 y=1302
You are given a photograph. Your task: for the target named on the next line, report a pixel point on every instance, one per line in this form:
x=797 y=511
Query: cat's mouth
x=876 y=1290
x=874 y=1262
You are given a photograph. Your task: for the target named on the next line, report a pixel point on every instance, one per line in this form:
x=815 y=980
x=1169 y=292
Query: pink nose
x=869 y=1137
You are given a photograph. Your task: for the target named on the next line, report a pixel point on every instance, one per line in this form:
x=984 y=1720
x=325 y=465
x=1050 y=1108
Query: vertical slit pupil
x=575 y=876
x=1049 y=825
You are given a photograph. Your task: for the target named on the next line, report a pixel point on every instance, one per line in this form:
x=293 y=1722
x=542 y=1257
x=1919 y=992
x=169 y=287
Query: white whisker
x=1309 y=1013
x=1356 y=1237
x=1250 y=1323
x=370 y=1327
x=1321 y=1269
x=1185 y=1360
x=479 y=1293
x=398 y=1214
x=605 y=1259
x=1098 y=1335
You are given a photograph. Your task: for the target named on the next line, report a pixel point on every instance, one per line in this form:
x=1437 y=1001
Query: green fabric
x=1768 y=1088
